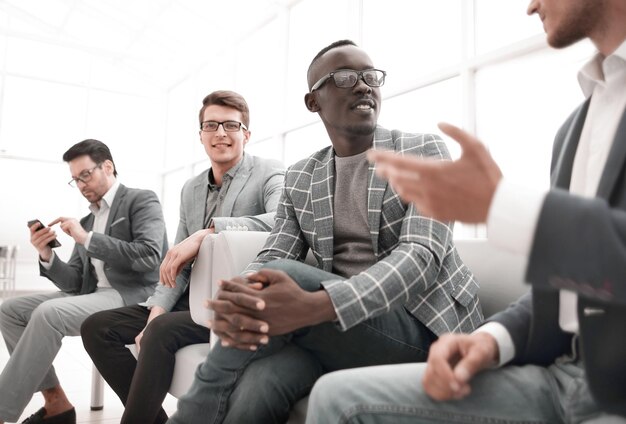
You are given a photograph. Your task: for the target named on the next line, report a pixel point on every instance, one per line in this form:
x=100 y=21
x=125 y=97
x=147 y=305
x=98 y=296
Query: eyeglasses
x=84 y=176
x=229 y=126
x=347 y=78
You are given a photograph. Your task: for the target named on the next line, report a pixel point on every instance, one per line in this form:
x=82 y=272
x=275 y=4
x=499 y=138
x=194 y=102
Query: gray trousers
x=33 y=327
x=512 y=394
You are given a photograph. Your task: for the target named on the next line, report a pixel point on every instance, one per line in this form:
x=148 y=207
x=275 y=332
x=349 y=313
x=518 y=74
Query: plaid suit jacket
x=418 y=267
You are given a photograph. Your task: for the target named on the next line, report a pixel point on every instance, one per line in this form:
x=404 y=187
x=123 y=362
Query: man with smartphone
x=115 y=262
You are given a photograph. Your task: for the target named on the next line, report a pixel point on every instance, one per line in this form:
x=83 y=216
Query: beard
x=578 y=24
x=362 y=129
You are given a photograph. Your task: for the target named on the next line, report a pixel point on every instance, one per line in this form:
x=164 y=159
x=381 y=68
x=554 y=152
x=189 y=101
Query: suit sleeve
x=272 y=188
x=286 y=240
x=166 y=297
x=144 y=252
x=67 y=276
x=580 y=245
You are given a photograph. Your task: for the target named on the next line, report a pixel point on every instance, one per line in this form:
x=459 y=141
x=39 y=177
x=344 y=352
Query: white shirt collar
x=107 y=199
x=599 y=68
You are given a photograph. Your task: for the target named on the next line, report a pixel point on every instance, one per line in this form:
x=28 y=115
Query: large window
x=480 y=64
x=134 y=75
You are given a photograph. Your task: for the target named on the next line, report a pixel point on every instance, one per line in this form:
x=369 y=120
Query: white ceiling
x=162 y=41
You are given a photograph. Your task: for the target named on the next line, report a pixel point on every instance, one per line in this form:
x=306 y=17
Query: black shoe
x=67 y=417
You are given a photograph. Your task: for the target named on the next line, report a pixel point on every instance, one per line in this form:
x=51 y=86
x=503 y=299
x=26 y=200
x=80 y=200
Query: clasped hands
x=248 y=310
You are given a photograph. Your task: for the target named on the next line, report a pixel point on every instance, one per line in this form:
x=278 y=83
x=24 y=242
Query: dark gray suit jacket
x=132 y=247
x=579 y=244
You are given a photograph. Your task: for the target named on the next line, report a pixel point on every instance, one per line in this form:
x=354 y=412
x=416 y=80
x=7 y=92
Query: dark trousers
x=142 y=383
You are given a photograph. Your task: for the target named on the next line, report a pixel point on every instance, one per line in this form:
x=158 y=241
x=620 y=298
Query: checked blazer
x=418 y=267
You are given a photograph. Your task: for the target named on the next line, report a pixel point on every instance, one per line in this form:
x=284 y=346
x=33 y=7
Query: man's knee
x=160 y=331
x=326 y=391
x=94 y=329
x=8 y=308
x=286 y=265
x=47 y=313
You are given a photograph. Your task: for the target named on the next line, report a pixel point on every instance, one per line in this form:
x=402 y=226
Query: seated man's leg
x=217 y=377
x=270 y=387
x=165 y=335
x=105 y=335
x=214 y=381
x=49 y=318
x=393 y=394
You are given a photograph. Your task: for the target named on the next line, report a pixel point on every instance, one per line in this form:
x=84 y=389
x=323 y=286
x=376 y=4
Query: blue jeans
x=393 y=394
x=394 y=337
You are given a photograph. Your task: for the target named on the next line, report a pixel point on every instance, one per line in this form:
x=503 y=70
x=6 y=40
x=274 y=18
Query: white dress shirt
x=514 y=211
x=101 y=216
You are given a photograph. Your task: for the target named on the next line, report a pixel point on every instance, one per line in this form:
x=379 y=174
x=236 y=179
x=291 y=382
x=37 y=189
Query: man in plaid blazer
x=388 y=281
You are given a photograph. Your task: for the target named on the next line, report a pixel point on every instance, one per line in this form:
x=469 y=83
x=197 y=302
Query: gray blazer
x=418 y=267
x=580 y=245
x=132 y=246
x=249 y=204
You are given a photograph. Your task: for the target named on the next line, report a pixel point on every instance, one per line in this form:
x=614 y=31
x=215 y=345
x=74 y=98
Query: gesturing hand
x=453 y=360
x=461 y=190
x=72 y=228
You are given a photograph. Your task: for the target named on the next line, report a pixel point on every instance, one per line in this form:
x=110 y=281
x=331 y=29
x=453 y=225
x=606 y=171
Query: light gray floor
x=73 y=366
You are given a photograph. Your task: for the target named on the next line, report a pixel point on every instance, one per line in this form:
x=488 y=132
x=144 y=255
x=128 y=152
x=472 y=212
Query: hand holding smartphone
x=54 y=243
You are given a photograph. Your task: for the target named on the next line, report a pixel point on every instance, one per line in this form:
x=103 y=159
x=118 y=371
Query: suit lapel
x=198 y=206
x=562 y=173
x=322 y=195
x=236 y=185
x=376 y=187
x=117 y=200
x=615 y=161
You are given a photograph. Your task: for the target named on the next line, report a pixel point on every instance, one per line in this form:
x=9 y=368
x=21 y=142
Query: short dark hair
x=95 y=149
x=333 y=45
x=229 y=99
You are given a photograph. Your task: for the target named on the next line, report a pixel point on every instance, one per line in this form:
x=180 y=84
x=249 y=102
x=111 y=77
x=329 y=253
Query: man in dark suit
x=565 y=341
x=388 y=280
x=115 y=261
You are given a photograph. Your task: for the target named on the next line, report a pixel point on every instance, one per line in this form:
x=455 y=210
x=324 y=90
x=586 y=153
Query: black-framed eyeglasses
x=347 y=78
x=84 y=176
x=229 y=126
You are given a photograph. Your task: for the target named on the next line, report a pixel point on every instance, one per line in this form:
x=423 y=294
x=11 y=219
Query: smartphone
x=54 y=243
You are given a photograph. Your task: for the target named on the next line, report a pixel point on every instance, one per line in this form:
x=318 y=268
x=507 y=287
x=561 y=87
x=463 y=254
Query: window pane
x=172 y=185
x=499 y=23
x=41 y=119
x=261 y=77
x=520 y=106
x=420 y=110
x=312 y=26
x=130 y=126
x=303 y=142
x=412 y=38
x=269 y=148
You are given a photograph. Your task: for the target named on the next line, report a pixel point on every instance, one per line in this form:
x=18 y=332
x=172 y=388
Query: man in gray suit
x=388 y=281
x=238 y=192
x=115 y=261
x=565 y=341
